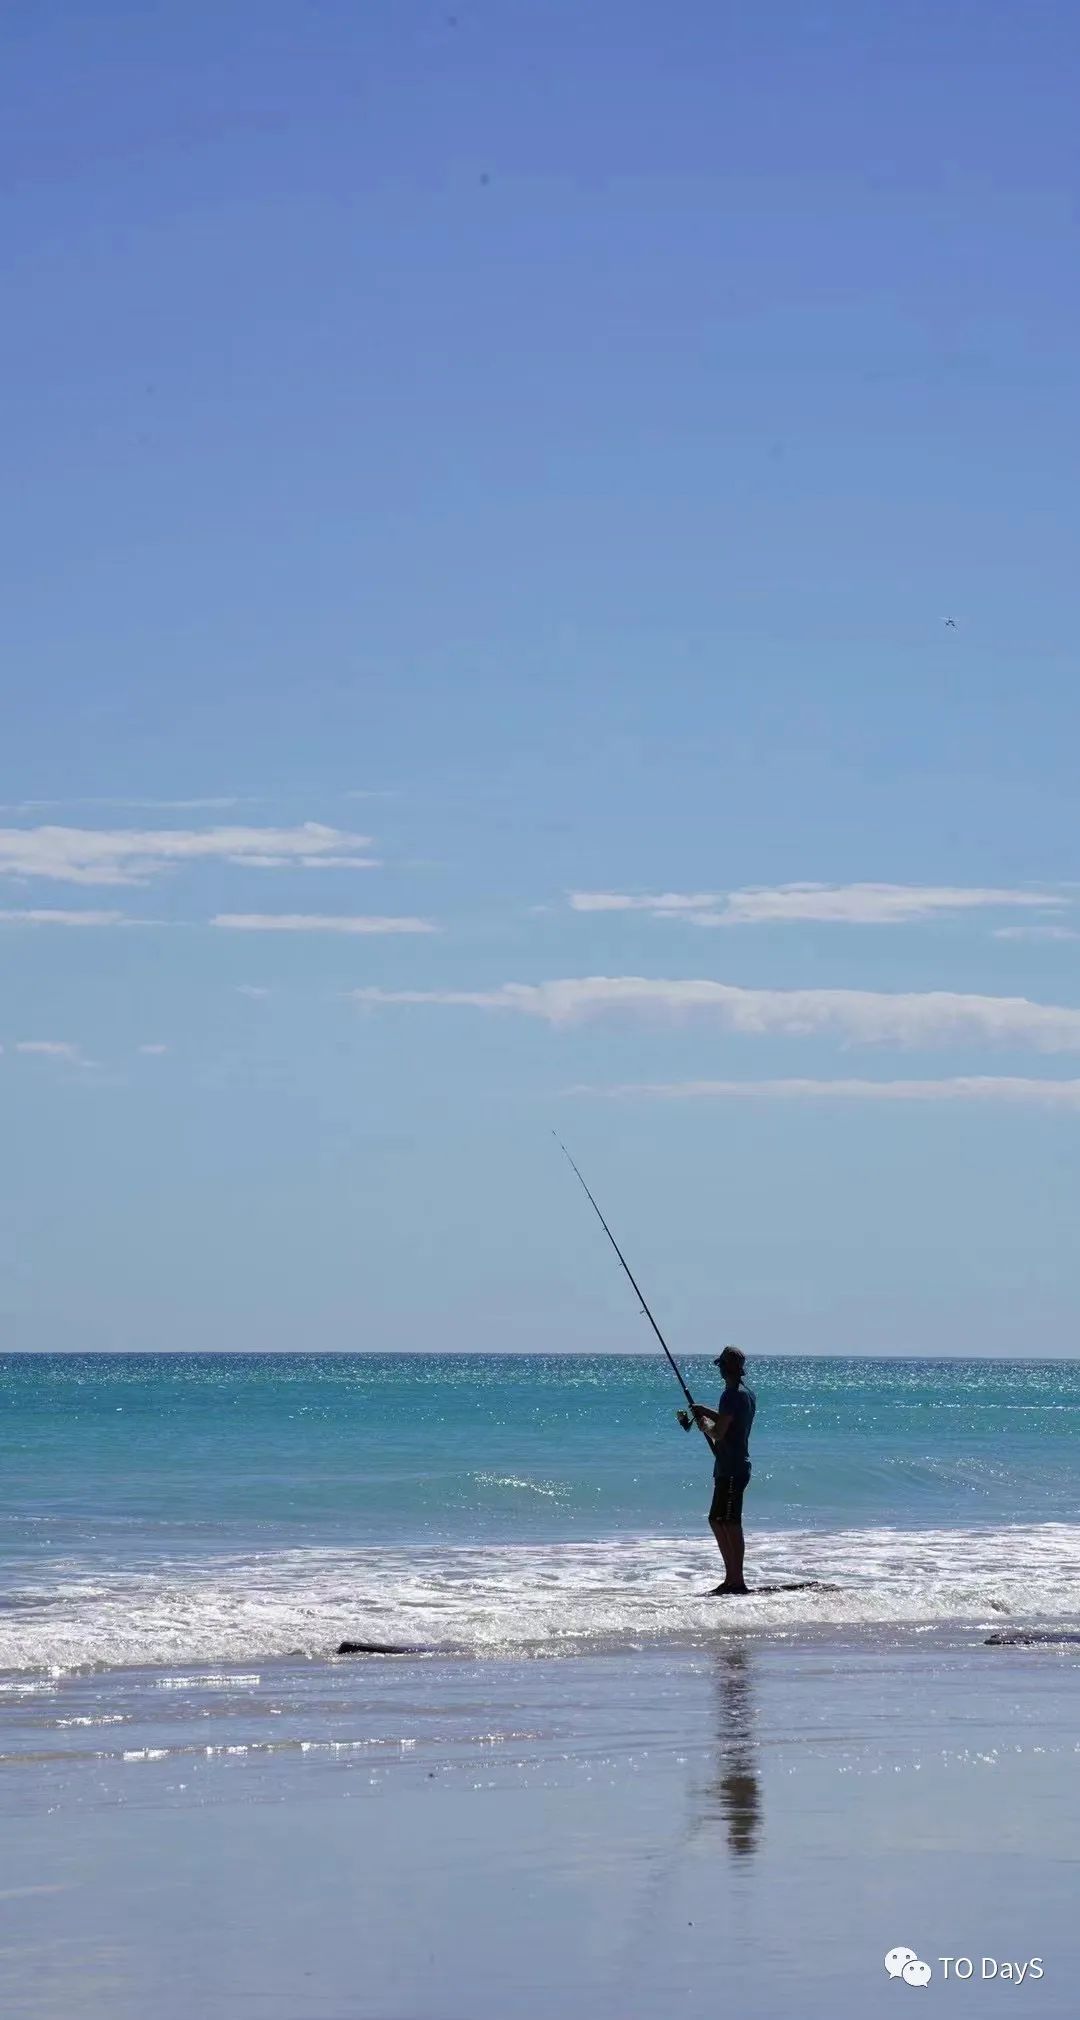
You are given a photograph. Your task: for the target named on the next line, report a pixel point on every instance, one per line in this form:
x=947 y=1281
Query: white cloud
x=69 y=919
x=253 y=990
x=861 y=1016
x=134 y=856
x=786 y=904
x=1010 y=1090
x=153 y=1051
x=315 y=922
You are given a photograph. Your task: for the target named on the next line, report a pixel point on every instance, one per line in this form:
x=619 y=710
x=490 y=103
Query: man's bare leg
x=731 y=1544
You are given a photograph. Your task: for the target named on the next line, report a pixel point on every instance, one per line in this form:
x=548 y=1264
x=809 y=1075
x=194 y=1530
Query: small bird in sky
x=949 y=623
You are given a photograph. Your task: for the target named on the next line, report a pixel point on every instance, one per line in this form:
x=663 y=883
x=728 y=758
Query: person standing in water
x=727 y=1429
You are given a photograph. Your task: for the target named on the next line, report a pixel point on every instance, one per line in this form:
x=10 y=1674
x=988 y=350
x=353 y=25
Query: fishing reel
x=685 y=1419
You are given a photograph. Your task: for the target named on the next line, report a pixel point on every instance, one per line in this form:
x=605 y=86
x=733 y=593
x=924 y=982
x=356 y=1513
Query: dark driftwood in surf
x=1035 y=1637
x=382 y=1648
x=767 y=1591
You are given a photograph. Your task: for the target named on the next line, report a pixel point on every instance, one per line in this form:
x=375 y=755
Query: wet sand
x=748 y=1831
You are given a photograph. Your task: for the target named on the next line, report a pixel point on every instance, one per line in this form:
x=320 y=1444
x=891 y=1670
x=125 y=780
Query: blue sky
x=504 y=471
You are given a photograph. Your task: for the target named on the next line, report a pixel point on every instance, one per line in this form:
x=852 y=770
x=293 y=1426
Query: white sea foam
x=229 y=1681
x=102 y=1718
x=613 y=1593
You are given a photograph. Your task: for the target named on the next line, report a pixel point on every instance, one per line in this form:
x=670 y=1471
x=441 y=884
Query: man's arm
x=714 y=1426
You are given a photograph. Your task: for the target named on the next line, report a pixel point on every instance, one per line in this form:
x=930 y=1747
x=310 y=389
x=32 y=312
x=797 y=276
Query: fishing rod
x=685 y=1418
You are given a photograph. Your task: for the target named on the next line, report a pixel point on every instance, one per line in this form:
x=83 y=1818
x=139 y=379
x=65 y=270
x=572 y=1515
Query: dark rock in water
x=381 y=1648
x=1035 y=1637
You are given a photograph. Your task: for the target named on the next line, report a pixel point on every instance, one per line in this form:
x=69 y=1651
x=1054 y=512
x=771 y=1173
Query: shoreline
x=82 y=1730
x=497 y=1598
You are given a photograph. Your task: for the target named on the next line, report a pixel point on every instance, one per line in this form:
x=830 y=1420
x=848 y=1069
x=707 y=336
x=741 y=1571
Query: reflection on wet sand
x=732 y=1794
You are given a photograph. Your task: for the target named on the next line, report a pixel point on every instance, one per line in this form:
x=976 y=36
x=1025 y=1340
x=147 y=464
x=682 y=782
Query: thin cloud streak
x=793 y=904
x=54 y=1048
x=340 y=863
x=668 y=903
x=313 y=922
x=159 y=806
x=305 y=862
x=45 y=918
x=1009 y=1090
x=860 y=1016
x=1035 y=933
x=135 y=856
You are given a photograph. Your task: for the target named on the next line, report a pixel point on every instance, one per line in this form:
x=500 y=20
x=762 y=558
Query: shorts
x=727 y=1498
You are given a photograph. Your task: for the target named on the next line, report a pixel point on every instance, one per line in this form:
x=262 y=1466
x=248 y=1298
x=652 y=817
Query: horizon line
x=492 y=1354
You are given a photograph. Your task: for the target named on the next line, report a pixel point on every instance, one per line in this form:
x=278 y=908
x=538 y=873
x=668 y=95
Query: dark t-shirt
x=733 y=1451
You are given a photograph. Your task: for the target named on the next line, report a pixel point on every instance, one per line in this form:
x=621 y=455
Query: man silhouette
x=727 y=1429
